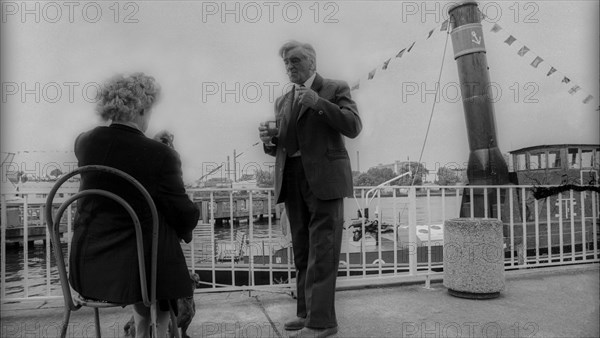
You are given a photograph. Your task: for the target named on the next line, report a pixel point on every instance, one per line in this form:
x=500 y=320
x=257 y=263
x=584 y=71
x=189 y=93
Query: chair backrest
x=53 y=222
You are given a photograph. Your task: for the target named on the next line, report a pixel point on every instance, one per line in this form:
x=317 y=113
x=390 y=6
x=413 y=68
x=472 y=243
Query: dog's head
x=195 y=279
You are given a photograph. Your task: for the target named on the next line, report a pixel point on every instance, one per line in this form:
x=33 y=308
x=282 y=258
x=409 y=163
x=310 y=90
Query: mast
x=486 y=165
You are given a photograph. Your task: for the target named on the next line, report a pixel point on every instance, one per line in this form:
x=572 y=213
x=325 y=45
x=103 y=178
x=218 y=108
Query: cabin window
x=520 y=162
x=574 y=158
x=554 y=159
x=587 y=158
x=537 y=161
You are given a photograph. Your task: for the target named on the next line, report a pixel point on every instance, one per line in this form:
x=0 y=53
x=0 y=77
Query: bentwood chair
x=75 y=303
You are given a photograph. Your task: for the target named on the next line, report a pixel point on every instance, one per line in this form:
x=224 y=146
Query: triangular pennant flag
x=565 y=80
x=509 y=41
x=552 y=70
x=411 y=46
x=523 y=51
x=399 y=55
x=496 y=28
x=444 y=25
x=385 y=64
x=587 y=99
x=536 y=61
x=574 y=90
x=482 y=15
x=372 y=74
x=430 y=32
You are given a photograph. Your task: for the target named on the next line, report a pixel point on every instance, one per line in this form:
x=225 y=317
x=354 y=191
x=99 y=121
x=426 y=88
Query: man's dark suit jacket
x=103 y=262
x=324 y=156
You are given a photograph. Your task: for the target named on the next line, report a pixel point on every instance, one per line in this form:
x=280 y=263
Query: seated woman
x=103 y=262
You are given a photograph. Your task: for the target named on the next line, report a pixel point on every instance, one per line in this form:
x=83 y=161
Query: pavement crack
x=262 y=308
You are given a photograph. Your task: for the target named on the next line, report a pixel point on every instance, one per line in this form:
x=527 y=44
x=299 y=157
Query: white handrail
x=372 y=190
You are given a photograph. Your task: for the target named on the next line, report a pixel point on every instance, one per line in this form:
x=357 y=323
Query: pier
x=551 y=302
x=235 y=207
x=16 y=217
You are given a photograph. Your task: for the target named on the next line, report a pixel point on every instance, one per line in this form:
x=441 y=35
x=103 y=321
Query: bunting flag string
x=537 y=60
x=509 y=40
x=372 y=74
x=384 y=66
x=444 y=26
x=523 y=51
x=574 y=89
x=430 y=33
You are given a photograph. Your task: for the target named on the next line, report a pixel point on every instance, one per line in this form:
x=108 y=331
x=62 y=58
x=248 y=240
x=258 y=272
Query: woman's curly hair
x=124 y=97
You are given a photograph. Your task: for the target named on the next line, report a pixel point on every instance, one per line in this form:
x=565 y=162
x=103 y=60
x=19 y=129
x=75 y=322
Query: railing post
x=251 y=235
x=412 y=230
x=26 y=243
x=192 y=246
x=212 y=239
x=4 y=220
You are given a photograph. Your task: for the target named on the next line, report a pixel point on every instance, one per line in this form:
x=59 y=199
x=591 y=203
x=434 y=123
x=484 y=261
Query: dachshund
x=186 y=310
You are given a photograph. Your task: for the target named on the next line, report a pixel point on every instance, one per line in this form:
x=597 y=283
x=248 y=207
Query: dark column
x=486 y=164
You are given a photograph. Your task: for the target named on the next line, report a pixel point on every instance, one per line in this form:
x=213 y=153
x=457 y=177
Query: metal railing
x=242 y=241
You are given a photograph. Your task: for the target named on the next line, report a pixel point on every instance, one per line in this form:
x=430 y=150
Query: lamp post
x=235 y=156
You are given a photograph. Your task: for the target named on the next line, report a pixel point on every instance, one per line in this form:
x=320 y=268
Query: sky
x=219 y=71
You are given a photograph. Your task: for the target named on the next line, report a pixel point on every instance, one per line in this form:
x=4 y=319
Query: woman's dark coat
x=103 y=261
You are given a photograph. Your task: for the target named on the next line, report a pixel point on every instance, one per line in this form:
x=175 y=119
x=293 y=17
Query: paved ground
x=556 y=302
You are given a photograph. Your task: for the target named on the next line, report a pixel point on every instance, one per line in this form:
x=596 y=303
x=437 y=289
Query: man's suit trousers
x=316 y=228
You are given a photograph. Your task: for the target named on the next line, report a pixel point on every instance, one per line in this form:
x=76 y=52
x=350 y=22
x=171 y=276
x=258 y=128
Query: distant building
x=396 y=166
x=244 y=185
x=216 y=182
x=399 y=167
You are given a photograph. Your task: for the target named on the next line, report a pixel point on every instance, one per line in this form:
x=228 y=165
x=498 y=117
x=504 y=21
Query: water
x=37 y=272
x=390 y=209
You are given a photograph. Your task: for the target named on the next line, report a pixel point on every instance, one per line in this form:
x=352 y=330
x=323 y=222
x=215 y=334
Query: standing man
x=312 y=176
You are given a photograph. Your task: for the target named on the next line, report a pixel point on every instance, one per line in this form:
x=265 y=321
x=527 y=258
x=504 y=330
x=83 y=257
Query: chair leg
x=97 y=320
x=173 y=324
x=65 y=323
x=154 y=319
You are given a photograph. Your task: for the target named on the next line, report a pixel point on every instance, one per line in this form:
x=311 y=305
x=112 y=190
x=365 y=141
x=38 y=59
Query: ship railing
x=244 y=251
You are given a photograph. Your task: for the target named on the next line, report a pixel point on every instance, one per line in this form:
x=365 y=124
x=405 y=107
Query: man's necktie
x=292 y=134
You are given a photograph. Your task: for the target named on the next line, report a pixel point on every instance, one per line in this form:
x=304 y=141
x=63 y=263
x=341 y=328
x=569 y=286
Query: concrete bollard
x=473 y=257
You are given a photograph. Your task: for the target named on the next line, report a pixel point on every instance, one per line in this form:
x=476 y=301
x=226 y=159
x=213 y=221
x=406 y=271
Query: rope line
x=437 y=91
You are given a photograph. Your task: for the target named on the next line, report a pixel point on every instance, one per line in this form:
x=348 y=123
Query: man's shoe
x=294 y=324
x=307 y=332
